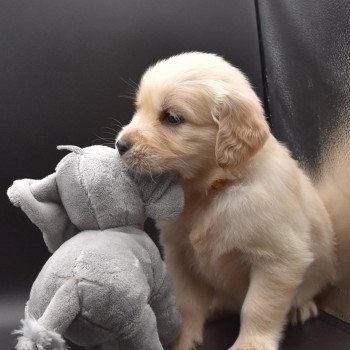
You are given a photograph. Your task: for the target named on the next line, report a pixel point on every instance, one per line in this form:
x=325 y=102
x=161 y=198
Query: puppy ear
x=243 y=129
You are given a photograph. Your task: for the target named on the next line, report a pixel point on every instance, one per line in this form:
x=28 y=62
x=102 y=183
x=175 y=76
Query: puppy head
x=194 y=113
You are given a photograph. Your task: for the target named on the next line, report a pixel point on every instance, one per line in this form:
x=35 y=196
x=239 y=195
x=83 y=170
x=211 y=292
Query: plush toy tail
x=46 y=332
x=34 y=336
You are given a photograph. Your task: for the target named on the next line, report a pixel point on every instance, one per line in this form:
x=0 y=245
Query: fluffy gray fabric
x=106 y=286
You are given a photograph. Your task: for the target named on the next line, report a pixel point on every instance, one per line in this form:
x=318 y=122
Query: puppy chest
x=225 y=270
x=213 y=246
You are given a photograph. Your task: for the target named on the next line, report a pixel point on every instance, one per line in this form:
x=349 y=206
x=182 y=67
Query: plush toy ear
x=40 y=200
x=243 y=129
x=163 y=197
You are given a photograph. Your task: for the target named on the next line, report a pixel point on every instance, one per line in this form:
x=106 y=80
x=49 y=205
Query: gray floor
x=323 y=333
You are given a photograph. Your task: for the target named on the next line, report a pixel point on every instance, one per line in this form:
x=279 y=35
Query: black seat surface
x=323 y=333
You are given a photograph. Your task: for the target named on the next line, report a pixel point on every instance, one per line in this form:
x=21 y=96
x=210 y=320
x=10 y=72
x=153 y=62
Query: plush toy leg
x=40 y=200
x=167 y=313
x=145 y=337
x=45 y=333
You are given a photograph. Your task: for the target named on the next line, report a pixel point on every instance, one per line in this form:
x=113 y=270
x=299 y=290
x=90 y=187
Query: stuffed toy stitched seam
x=84 y=186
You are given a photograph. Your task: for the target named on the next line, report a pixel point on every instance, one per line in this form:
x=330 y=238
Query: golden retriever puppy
x=254 y=235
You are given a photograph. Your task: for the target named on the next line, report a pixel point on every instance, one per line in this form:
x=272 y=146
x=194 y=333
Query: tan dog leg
x=193 y=297
x=266 y=306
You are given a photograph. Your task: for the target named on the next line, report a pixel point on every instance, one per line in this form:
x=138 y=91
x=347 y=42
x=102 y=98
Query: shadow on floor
x=323 y=333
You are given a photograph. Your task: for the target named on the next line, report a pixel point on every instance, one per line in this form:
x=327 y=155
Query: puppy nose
x=123 y=146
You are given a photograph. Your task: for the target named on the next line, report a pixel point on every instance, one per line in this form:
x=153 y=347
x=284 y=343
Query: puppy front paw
x=260 y=343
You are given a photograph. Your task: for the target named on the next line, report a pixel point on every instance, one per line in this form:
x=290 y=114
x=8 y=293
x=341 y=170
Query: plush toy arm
x=163 y=196
x=40 y=201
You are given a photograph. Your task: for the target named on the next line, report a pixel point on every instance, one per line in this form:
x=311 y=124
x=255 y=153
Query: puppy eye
x=172 y=119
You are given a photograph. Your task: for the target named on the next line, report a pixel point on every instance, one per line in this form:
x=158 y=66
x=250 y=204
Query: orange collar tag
x=219 y=183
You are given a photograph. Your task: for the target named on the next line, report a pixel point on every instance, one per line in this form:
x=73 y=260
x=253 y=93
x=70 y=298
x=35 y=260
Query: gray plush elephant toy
x=105 y=286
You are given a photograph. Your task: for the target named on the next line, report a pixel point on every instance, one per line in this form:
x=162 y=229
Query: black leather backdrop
x=306 y=65
x=306 y=47
x=62 y=68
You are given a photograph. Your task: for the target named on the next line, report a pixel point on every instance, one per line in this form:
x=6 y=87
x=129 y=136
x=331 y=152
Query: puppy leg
x=266 y=306
x=318 y=276
x=193 y=297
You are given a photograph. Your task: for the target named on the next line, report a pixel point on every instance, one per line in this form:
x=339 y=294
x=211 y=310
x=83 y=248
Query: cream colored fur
x=333 y=187
x=263 y=243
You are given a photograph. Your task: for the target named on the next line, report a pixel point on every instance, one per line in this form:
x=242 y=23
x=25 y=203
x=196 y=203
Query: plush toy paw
x=15 y=192
x=303 y=313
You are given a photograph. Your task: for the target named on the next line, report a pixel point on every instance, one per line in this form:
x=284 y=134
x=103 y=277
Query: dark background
x=64 y=65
